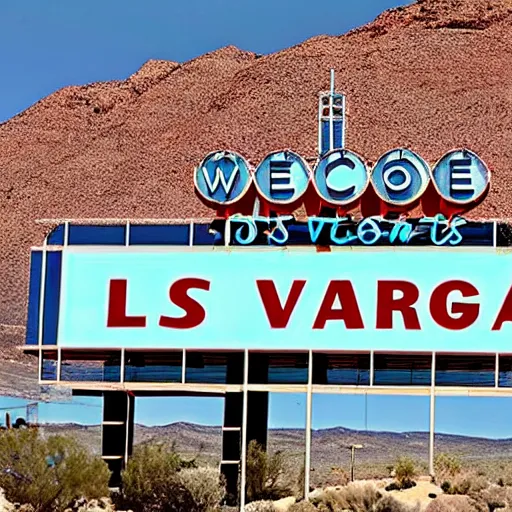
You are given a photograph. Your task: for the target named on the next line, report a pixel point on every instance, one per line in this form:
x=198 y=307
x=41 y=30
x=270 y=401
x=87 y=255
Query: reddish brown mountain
x=431 y=76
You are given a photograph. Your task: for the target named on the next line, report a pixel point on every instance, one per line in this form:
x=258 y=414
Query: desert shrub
x=154 y=481
x=504 y=478
x=400 y=486
x=446 y=486
x=260 y=506
x=454 y=503
x=467 y=482
x=355 y=497
x=390 y=504
x=149 y=477
x=303 y=506
x=495 y=498
x=49 y=474
x=205 y=486
x=301 y=483
x=339 y=477
x=265 y=474
x=405 y=471
x=446 y=466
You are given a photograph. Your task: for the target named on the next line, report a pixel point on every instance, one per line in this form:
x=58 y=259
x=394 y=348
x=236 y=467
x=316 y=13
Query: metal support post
x=497 y=372
x=243 y=469
x=432 y=417
x=59 y=363
x=331 y=113
x=372 y=367
x=123 y=364
x=309 y=409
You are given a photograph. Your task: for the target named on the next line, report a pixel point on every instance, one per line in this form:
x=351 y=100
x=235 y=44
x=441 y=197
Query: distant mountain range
x=329 y=446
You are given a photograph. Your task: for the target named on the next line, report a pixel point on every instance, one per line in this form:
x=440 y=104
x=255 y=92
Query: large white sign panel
x=277 y=299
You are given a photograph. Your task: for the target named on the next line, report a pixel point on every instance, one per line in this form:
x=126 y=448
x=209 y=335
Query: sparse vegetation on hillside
x=49 y=474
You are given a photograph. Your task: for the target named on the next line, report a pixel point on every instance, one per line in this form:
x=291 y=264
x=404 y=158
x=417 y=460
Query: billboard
x=355 y=271
x=399 y=299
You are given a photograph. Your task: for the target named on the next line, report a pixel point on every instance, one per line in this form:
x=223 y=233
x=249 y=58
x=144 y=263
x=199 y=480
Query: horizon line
x=323 y=429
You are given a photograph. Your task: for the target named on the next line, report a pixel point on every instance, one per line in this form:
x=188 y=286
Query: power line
x=15 y=407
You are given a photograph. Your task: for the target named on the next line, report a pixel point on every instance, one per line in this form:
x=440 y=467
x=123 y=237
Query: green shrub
x=405 y=471
x=265 y=475
x=149 y=477
x=49 y=474
x=154 y=481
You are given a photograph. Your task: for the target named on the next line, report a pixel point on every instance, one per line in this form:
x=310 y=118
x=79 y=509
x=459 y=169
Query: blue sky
x=53 y=43
x=454 y=415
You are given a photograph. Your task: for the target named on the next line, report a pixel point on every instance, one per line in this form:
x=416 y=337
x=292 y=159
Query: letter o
x=401 y=186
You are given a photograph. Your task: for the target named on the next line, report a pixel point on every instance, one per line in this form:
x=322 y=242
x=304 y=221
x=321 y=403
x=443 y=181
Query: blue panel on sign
x=51 y=297
x=325 y=137
x=97 y=235
x=173 y=234
x=34 y=292
x=206 y=234
x=338 y=134
x=56 y=237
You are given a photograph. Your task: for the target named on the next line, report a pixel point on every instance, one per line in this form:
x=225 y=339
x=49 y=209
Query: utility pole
x=353 y=449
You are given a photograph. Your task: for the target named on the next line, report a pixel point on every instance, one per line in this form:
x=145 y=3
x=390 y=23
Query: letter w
x=278 y=315
x=220 y=178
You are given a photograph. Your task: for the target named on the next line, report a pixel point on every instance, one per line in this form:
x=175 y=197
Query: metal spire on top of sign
x=331 y=120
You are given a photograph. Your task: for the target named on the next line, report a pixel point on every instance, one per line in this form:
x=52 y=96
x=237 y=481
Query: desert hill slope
x=381 y=449
x=430 y=76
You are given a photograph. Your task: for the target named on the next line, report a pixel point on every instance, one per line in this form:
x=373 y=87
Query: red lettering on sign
x=117 y=298
x=387 y=304
x=349 y=312
x=505 y=314
x=467 y=313
x=194 y=312
x=278 y=315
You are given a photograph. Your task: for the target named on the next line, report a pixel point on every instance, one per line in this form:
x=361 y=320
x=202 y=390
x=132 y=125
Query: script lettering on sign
x=343 y=231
